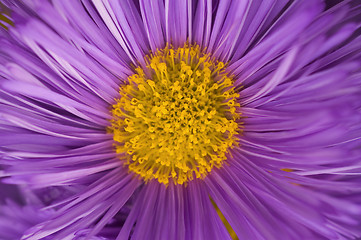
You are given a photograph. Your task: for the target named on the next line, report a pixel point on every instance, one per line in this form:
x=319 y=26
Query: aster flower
x=156 y=109
x=16 y=219
x=19 y=212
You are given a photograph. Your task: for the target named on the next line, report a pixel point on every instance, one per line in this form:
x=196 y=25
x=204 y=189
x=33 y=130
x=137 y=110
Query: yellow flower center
x=177 y=118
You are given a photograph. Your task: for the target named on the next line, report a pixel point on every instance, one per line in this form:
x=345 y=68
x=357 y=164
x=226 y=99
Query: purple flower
x=19 y=212
x=16 y=219
x=148 y=113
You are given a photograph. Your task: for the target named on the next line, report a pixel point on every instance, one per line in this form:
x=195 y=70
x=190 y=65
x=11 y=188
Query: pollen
x=178 y=117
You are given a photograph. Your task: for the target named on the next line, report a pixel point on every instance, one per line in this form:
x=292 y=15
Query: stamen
x=177 y=119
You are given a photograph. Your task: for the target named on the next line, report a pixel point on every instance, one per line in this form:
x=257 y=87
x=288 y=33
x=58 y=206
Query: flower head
x=151 y=115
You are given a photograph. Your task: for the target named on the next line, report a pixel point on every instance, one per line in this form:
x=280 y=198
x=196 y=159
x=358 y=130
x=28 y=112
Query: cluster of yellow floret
x=177 y=118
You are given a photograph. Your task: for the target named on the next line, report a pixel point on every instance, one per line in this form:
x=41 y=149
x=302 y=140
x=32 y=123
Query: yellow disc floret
x=176 y=119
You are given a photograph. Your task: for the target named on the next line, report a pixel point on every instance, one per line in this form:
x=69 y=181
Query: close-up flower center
x=180 y=120
x=177 y=118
